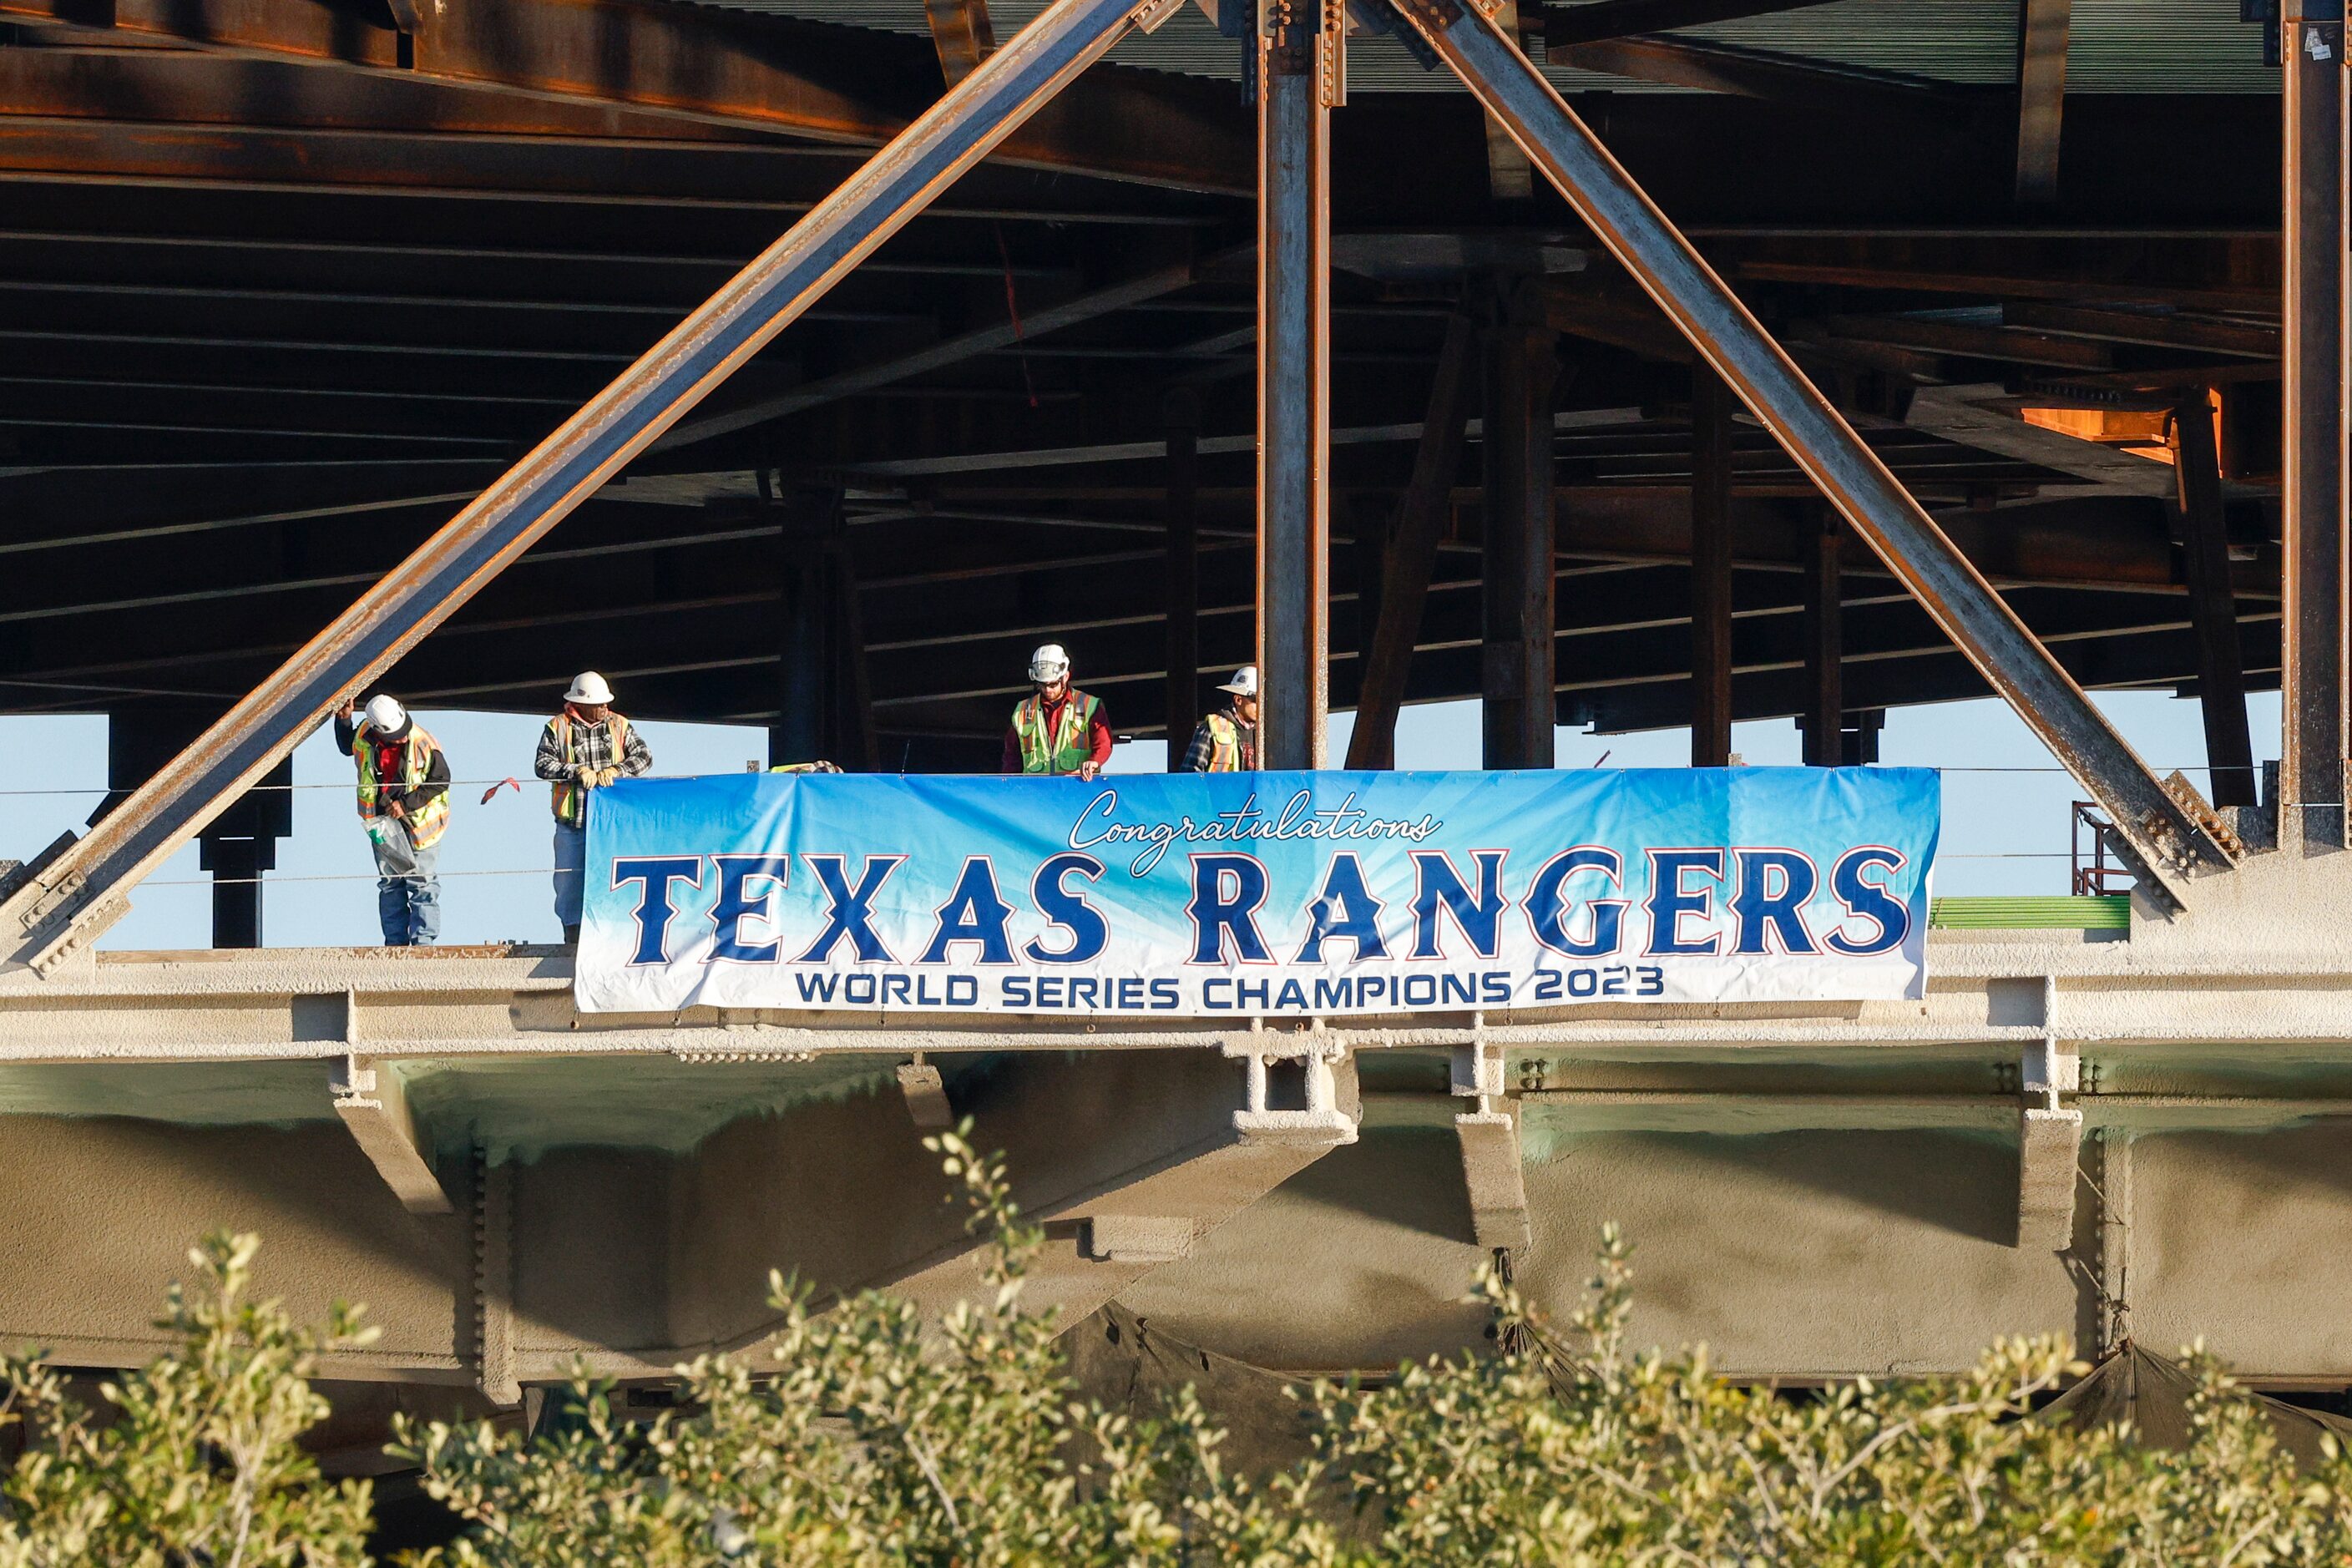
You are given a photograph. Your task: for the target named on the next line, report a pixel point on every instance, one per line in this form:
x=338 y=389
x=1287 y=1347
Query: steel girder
x=2168 y=837
x=76 y=894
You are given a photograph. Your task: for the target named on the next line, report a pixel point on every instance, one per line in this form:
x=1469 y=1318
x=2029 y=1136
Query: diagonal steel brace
x=2170 y=844
x=65 y=903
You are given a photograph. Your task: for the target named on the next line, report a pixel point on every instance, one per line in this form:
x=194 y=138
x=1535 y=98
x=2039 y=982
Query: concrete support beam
x=1492 y=1171
x=494 y=1281
x=1142 y=1190
x=2050 y=1144
x=373 y=1105
x=925 y=1094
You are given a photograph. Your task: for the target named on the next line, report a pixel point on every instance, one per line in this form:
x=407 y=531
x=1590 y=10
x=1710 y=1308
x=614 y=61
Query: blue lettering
x=1547 y=904
x=818 y=986
x=1344 y=909
x=975 y=911
x=1164 y=996
x=851 y=913
x=654 y=912
x=1226 y=893
x=1088 y=931
x=1437 y=885
x=1669 y=901
x=1762 y=911
x=1870 y=900
x=736 y=904
x=1292 y=994
x=1015 y=990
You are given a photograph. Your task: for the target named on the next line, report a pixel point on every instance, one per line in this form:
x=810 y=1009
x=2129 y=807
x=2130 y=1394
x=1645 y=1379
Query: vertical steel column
x=1182 y=417
x=2213 y=606
x=1298 y=74
x=2163 y=834
x=71 y=899
x=1711 y=405
x=1825 y=720
x=2312 y=672
x=1517 y=599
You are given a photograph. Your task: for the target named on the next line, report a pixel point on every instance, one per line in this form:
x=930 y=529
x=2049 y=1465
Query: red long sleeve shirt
x=1098 y=737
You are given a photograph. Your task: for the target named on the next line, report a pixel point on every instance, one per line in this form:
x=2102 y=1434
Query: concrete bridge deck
x=2098 y=1133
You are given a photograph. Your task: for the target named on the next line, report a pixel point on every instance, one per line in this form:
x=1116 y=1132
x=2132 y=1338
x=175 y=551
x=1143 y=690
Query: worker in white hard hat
x=1226 y=741
x=583 y=749
x=405 y=805
x=1057 y=729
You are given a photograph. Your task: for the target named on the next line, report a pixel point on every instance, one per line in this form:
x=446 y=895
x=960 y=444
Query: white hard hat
x=589 y=688
x=1244 y=683
x=1049 y=663
x=384 y=715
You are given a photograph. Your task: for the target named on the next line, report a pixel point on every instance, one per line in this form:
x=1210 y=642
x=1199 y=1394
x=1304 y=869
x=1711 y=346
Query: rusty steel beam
x=1823 y=719
x=2042 y=28
x=963 y=32
x=2313 y=681
x=1710 y=578
x=2205 y=553
x=700 y=63
x=69 y=902
x=2164 y=835
x=1423 y=512
x=1299 y=78
x=1518 y=598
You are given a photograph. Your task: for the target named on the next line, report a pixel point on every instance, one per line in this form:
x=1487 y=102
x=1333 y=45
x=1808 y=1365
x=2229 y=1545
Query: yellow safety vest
x=1224 y=745
x=427 y=822
x=1063 y=751
x=568 y=796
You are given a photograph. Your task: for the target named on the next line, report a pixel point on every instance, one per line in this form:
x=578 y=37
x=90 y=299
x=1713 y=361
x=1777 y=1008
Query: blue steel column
x=1299 y=75
x=68 y=900
x=2162 y=832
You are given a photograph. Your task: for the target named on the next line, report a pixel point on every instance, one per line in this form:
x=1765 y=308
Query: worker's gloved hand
x=1089 y=769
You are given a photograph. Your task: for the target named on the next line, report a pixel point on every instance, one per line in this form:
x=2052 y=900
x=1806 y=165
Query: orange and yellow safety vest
x=1063 y=751
x=567 y=797
x=427 y=822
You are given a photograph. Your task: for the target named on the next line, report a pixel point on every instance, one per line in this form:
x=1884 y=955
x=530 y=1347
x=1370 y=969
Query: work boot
x=571 y=936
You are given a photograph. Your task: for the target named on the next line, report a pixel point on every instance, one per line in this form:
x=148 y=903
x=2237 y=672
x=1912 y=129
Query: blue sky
x=2005 y=805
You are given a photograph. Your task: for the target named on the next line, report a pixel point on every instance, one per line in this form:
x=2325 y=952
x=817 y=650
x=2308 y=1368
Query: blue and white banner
x=1289 y=895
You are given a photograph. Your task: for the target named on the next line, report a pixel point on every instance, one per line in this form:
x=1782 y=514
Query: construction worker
x=405 y=802
x=1226 y=741
x=1057 y=729
x=584 y=748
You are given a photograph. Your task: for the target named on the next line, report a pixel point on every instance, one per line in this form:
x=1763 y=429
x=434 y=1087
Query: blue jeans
x=571 y=871
x=407 y=893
